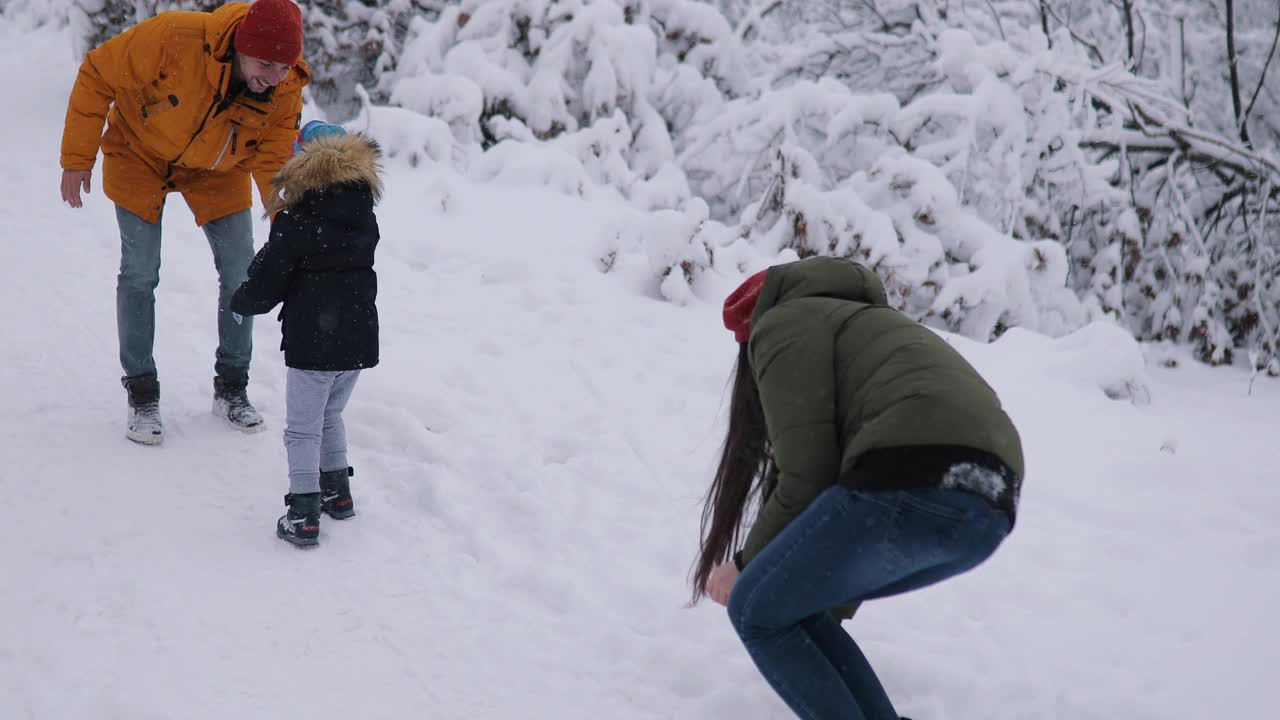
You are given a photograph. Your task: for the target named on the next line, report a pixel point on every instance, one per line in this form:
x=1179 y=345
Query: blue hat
x=317 y=129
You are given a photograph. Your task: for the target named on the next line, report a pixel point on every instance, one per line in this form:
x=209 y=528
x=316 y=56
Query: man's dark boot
x=144 y=425
x=301 y=525
x=231 y=403
x=335 y=493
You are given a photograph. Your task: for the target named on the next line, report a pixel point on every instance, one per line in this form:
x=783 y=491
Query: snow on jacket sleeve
x=270 y=272
x=108 y=70
x=793 y=360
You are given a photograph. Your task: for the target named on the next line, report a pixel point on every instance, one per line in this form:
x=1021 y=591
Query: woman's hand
x=720 y=584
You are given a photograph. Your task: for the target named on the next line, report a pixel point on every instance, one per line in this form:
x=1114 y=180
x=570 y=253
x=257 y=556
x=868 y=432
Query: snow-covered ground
x=530 y=460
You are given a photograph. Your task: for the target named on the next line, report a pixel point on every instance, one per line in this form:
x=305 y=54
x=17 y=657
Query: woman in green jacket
x=883 y=463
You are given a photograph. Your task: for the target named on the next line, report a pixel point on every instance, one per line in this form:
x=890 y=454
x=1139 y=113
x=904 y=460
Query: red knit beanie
x=271 y=31
x=740 y=304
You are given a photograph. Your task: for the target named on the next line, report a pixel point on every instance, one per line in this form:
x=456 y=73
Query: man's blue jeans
x=231 y=239
x=850 y=546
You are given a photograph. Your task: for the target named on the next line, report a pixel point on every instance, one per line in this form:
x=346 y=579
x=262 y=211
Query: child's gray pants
x=314 y=436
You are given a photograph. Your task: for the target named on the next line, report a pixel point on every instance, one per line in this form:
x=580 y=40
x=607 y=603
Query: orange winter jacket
x=161 y=87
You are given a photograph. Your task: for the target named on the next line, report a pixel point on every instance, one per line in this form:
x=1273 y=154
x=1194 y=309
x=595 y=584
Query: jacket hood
x=324 y=163
x=222 y=27
x=820 y=276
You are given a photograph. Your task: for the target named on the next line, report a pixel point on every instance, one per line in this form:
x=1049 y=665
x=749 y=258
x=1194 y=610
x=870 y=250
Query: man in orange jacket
x=194 y=103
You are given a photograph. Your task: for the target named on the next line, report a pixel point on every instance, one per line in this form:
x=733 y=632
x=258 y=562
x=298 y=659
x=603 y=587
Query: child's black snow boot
x=301 y=525
x=335 y=493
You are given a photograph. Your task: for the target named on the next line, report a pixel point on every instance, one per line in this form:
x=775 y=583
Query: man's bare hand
x=73 y=181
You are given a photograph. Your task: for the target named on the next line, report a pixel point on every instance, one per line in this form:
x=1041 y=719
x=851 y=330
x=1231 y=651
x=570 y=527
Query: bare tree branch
x=884 y=22
x=1233 y=71
x=1275 y=39
x=1044 y=23
x=996 y=16
x=1127 y=9
x=1142 y=41
x=751 y=22
x=1157 y=132
x=1182 y=64
x=1088 y=46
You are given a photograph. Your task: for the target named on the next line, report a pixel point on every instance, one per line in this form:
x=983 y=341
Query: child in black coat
x=318 y=261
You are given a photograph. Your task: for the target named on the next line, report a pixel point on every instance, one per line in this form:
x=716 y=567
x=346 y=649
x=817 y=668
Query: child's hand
x=238 y=318
x=720 y=584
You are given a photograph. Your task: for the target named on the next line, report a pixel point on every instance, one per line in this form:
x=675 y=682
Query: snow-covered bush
x=1054 y=127
x=665 y=253
x=409 y=137
x=859 y=176
x=354 y=44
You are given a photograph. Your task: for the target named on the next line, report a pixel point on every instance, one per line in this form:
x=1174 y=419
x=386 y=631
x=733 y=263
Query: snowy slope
x=530 y=458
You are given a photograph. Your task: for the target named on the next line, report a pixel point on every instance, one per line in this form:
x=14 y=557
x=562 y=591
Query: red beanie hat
x=740 y=304
x=271 y=31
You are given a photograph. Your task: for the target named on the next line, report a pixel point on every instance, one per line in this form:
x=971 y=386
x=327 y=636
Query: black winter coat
x=319 y=258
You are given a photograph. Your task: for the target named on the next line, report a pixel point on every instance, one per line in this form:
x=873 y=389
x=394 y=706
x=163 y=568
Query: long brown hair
x=745 y=459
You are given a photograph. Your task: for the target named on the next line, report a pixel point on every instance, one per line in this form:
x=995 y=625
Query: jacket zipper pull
x=222 y=153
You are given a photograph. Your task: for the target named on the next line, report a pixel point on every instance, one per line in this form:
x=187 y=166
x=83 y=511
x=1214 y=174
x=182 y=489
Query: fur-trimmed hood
x=324 y=163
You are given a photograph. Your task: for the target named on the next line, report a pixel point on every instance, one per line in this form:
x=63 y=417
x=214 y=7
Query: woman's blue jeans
x=850 y=546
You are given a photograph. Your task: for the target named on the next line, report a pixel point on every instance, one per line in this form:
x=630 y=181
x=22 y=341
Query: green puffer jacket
x=841 y=373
